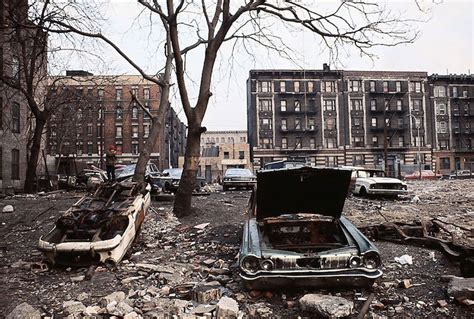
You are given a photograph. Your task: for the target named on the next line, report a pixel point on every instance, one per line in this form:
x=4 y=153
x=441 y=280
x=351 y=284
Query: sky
x=444 y=45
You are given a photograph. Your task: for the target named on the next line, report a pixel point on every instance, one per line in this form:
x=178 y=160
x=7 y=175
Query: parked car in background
x=98 y=175
x=238 y=178
x=461 y=174
x=152 y=175
x=289 y=163
x=172 y=176
x=425 y=174
x=295 y=234
x=374 y=182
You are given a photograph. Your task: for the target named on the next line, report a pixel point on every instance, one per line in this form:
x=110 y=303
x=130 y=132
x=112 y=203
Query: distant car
x=374 y=182
x=295 y=234
x=238 y=178
x=152 y=175
x=83 y=177
x=172 y=176
x=425 y=174
x=461 y=174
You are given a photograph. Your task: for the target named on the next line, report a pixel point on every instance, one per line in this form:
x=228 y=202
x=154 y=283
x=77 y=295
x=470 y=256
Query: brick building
x=336 y=117
x=452 y=103
x=103 y=114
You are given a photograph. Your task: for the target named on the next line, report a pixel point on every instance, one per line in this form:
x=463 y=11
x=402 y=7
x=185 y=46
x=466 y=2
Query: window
x=441 y=109
x=312 y=143
x=385 y=86
x=100 y=94
x=398 y=86
x=15 y=164
x=146 y=116
x=445 y=163
x=311 y=125
x=243 y=139
x=415 y=86
x=135 y=150
x=266 y=143
x=297 y=106
x=146 y=93
x=298 y=143
x=284 y=142
x=16 y=118
x=297 y=86
x=118 y=113
x=331 y=142
x=373 y=105
x=375 y=141
x=401 y=141
x=283 y=105
x=374 y=122
x=265 y=105
x=416 y=105
x=439 y=91
x=419 y=141
x=442 y=127
x=118 y=94
x=354 y=85
x=264 y=86
x=400 y=122
x=241 y=155
x=356 y=121
x=135 y=92
x=297 y=124
x=89 y=129
x=134 y=112
x=118 y=132
x=283 y=124
x=146 y=130
x=135 y=131
x=99 y=113
x=282 y=86
x=331 y=161
x=15 y=68
x=372 y=86
x=358 y=160
x=330 y=123
x=443 y=145
x=329 y=105
x=399 y=105
x=358 y=141
x=266 y=124
x=387 y=104
x=310 y=86
x=455 y=91
x=356 y=105
x=328 y=86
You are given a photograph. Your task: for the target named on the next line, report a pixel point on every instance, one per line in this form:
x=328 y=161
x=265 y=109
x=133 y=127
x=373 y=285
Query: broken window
x=15 y=175
x=445 y=163
x=297 y=106
x=297 y=124
x=118 y=113
x=298 y=143
x=241 y=155
x=226 y=155
x=311 y=125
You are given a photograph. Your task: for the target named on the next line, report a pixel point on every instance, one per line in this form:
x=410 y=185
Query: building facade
x=103 y=114
x=452 y=103
x=379 y=119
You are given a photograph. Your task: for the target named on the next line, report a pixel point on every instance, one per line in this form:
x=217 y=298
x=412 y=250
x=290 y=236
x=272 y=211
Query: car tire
x=363 y=191
x=225 y=188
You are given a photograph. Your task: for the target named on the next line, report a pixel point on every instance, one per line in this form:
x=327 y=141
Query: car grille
x=322 y=262
x=387 y=186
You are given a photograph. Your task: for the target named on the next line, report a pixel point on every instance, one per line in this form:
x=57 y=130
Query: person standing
x=110 y=160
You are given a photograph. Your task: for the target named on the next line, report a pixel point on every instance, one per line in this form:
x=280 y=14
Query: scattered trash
x=8 y=209
x=404 y=260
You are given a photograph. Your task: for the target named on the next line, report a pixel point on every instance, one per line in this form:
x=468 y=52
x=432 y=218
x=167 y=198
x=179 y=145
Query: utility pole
x=417 y=125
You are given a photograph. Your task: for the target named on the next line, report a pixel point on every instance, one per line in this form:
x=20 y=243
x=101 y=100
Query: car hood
x=387 y=180
x=301 y=190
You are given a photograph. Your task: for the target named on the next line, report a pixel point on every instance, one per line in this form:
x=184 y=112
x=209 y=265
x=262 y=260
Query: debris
x=202 y=309
x=78 y=278
x=207 y=292
x=8 y=209
x=117 y=296
x=73 y=307
x=227 y=308
x=406 y=283
x=460 y=287
x=415 y=199
x=442 y=303
x=91 y=310
x=201 y=226
x=404 y=260
x=24 y=311
x=326 y=306
x=260 y=311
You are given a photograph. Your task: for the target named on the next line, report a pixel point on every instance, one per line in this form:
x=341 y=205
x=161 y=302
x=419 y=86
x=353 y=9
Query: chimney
x=326 y=67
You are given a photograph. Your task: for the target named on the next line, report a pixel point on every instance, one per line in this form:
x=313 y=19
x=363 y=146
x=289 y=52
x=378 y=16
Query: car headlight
x=267 y=264
x=372 y=260
x=250 y=264
x=355 y=261
x=372 y=186
x=404 y=187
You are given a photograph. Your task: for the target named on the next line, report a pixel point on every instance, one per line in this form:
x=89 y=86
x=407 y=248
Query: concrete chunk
x=227 y=308
x=326 y=306
x=24 y=311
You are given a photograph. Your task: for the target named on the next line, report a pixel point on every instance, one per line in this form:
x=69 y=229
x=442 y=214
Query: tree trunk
x=182 y=202
x=32 y=162
x=155 y=135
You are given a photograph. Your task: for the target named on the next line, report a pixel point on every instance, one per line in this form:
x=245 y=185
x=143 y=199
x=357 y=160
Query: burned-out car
x=295 y=234
x=98 y=228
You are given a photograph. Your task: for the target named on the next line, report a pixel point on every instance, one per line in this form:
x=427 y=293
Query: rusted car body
x=295 y=235
x=97 y=228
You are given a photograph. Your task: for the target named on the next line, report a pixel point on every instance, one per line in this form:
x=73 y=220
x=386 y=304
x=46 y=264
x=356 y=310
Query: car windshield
x=125 y=171
x=173 y=172
x=365 y=174
x=238 y=172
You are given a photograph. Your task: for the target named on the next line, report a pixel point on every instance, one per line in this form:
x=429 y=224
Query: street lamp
x=417 y=125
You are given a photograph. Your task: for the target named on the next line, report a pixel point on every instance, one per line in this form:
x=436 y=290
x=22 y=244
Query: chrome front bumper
x=378 y=191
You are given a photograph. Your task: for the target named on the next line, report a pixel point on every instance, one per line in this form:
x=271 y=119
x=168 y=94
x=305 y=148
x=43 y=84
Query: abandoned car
x=172 y=176
x=97 y=228
x=295 y=235
x=374 y=182
x=238 y=178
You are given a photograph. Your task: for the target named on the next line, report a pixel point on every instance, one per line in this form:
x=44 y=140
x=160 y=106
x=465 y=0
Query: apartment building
x=336 y=117
x=103 y=114
x=452 y=103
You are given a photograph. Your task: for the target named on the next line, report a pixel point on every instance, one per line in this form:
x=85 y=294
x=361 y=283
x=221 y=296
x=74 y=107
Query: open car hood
x=301 y=190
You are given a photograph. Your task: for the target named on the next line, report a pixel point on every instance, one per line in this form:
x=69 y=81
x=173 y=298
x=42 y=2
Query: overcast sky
x=445 y=45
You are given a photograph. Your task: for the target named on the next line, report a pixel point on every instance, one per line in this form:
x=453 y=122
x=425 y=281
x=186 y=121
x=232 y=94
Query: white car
x=374 y=182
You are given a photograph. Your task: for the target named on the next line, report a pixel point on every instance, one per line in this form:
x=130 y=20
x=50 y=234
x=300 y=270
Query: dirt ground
x=184 y=256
